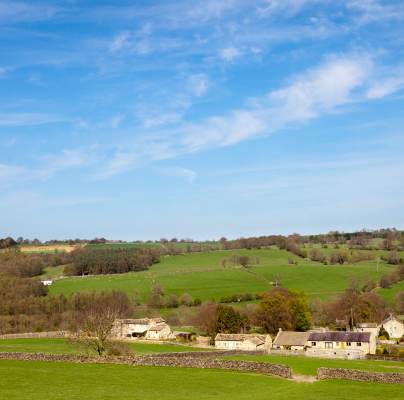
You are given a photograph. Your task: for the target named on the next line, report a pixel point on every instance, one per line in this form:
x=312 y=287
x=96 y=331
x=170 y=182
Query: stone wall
x=363 y=376
x=162 y=361
x=35 y=335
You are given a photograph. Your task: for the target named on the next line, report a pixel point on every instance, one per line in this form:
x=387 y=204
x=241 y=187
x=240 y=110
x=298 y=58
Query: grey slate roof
x=339 y=337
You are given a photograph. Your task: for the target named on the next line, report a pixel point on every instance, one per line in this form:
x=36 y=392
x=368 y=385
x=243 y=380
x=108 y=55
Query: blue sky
x=148 y=119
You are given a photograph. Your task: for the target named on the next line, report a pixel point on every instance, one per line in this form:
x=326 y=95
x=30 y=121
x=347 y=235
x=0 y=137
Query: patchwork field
x=30 y=380
x=61 y=248
x=203 y=276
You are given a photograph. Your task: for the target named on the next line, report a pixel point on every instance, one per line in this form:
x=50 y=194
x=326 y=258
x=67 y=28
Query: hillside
x=203 y=276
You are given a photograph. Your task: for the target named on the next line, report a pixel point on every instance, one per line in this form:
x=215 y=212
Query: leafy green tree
x=285 y=309
x=229 y=320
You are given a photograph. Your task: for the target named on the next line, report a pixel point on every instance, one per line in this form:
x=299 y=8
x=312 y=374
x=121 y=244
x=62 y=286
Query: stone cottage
x=143 y=328
x=349 y=345
x=243 y=342
x=289 y=340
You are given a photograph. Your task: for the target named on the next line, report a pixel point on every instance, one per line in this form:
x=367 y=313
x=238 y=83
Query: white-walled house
x=47 y=282
x=243 y=342
x=161 y=331
x=394 y=327
x=371 y=327
x=350 y=345
x=143 y=328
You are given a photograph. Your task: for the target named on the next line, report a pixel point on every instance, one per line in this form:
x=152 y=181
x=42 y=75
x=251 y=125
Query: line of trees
x=89 y=261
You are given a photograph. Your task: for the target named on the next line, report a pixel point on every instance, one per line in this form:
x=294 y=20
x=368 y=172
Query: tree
x=400 y=303
x=229 y=320
x=172 y=301
x=285 y=309
x=187 y=300
x=93 y=325
x=205 y=318
x=384 y=333
x=244 y=261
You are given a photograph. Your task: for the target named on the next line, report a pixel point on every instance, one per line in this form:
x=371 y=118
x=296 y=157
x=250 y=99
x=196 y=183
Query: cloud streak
x=320 y=91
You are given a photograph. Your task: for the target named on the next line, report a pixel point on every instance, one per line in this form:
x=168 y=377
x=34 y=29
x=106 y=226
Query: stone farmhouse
x=331 y=344
x=349 y=345
x=244 y=342
x=394 y=327
x=288 y=340
x=144 y=328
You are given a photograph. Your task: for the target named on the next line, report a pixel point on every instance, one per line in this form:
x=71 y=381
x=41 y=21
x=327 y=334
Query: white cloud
x=116 y=121
x=120 y=162
x=198 y=84
x=229 y=54
x=27 y=119
x=290 y=7
x=4 y=71
x=69 y=158
x=373 y=10
x=387 y=85
x=14 y=11
x=185 y=173
x=9 y=173
x=119 y=42
x=319 y=91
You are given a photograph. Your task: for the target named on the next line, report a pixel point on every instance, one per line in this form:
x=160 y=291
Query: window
x=348 y=343
x=359 y=344
x=328 y=345
x=313 y=343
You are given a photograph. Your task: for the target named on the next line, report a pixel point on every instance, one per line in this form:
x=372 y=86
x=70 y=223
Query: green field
x=31 y=380
x=63 y=346
x=308 y=366
x=202 y=275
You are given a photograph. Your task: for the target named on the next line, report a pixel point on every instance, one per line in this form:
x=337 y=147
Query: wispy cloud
x=16 y=11
x=230 y=54
x=317 y=92
x=27 y=119
x=184 y=173
x=390 y=82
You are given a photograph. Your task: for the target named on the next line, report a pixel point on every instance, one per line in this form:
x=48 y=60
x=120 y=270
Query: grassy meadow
x=309 y=365
x=63 y=346
x=32 y=380
x=203 y=276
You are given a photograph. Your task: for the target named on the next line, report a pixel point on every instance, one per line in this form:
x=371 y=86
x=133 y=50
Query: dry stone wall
x=162 y=361
x=35 y=335
x=363 y=376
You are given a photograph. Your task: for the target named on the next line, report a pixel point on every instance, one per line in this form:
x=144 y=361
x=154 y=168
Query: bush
x=118 y=349
x=383 y=334
x=172 y=301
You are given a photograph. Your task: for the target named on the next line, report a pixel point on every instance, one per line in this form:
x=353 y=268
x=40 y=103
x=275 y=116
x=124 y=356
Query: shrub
x=118 y=349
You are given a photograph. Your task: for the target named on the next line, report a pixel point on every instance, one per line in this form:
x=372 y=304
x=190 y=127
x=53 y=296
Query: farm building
x=351 y=345
x=394 y=326
x=288 y=340
x=243 y=342
x=144 y=328
x=371 y=327
x=47 y=282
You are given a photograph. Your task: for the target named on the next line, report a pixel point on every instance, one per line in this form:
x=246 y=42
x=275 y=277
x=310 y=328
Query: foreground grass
x=308 y=366
x=60 y=381
x=63 y=346
x=203 y=276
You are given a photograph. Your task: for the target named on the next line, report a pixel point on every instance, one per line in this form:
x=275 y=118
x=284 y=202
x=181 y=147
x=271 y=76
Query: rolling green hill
x=203 y=276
